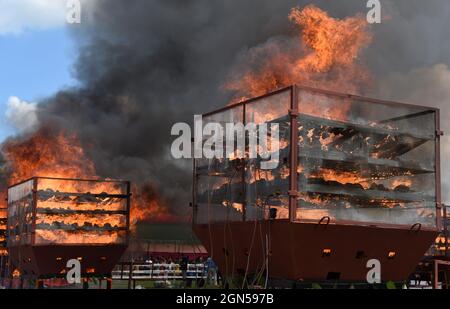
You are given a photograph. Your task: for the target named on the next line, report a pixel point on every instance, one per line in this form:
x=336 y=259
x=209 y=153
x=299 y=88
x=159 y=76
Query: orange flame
x=47 y=154
x=332 y=42
x=341 y=177
x=57 y=154
x=324 y=56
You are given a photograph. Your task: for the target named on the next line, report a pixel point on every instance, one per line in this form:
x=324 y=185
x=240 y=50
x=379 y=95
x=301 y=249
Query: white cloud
x=21 y=114
x=17 y=16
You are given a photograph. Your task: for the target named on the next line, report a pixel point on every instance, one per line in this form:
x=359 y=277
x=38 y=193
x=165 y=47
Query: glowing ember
x=46 y=236
x=236 y=206
x=112 y=221
x=340 y=177
x=398 y=184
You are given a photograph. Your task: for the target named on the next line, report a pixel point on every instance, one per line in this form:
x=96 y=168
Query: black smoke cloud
x=145 y=64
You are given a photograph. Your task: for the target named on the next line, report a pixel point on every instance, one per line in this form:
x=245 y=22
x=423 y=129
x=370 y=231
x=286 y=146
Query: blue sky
x=33 y=65
x=36 y=60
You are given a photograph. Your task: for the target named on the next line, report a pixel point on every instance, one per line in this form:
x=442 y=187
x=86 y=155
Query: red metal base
x=296 y=250
x=44 y=261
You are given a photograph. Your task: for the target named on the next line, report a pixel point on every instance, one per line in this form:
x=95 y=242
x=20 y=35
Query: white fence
x=159 y=271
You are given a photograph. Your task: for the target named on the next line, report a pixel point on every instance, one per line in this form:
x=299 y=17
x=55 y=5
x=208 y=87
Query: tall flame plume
x=323 y=54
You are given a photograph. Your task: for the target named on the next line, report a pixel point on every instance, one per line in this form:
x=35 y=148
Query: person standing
x=211 y=271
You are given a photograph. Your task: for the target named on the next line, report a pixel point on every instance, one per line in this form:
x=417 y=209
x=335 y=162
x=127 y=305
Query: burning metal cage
x=355 y=179
x=343 y=158
x=52 y=220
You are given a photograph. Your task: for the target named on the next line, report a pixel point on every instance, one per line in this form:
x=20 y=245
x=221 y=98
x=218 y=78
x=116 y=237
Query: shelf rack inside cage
x=373 y=152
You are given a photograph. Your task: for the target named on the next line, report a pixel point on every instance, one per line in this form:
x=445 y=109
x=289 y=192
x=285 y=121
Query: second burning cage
x=52 y=220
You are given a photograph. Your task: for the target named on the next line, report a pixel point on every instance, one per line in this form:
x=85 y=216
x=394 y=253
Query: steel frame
x=445 y=220
x=46 y=253
x=126 y=212
x=293 y=179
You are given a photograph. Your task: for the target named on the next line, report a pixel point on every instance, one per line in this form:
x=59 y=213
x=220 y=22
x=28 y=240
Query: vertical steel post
x=194 y=184
x=445 y=219
x=244 y=166
x=293 y=177
x=439 y=133
x=130 y=274
x=435 y=275
x=128 y=184
x=33 y=231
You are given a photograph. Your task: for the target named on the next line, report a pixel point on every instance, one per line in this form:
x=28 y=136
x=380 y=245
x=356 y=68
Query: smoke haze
x=145 y=64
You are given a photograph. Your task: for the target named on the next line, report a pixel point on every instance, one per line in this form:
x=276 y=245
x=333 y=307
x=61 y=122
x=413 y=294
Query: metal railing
x=158 y=271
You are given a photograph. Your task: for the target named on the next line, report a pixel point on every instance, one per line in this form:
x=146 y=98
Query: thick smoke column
x=145 y=64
